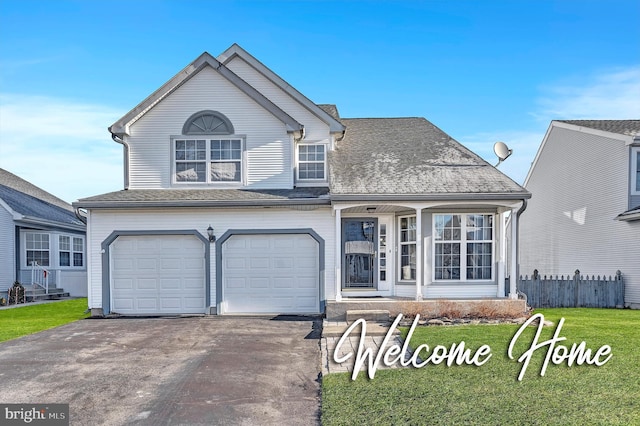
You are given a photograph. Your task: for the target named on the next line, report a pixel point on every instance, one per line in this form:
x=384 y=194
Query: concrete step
x=374 y=315
x=50 y=296
x=373 y=329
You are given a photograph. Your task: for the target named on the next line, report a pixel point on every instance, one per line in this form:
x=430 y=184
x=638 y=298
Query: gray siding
x=579 y=185
x=7 y=250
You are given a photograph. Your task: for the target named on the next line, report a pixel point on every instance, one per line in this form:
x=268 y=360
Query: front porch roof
x=410 y=158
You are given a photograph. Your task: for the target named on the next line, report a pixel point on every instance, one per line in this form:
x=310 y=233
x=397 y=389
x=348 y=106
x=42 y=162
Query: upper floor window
x=635 y=170
x=311 y=162
x=463 y=246
x=208 y=159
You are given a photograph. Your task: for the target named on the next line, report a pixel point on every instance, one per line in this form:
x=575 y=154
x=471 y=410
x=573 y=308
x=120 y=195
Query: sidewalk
x=375 y=334
x=39 y=302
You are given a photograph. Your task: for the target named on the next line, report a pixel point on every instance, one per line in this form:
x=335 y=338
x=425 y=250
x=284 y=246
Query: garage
x=157 y=274
x=270 y=273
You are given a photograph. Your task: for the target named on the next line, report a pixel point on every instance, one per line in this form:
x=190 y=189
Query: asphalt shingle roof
x=389 y=156
x=210 y=197
x=623 y=127
x=28 y=200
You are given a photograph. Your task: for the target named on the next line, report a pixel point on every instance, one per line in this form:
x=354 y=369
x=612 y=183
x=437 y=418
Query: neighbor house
x=43 y=241
x=585 y=211
x=243 y=196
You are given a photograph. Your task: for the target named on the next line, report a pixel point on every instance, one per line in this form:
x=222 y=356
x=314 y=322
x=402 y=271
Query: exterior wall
x=315 y=128
x=7 y=251
x=104 y=222
x=268 y=147
x=579 y=185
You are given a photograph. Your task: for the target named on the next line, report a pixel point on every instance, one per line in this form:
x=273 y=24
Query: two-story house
x=243 y=196
x=585 y=210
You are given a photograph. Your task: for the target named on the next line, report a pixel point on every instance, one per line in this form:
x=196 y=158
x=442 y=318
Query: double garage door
x=263 y=273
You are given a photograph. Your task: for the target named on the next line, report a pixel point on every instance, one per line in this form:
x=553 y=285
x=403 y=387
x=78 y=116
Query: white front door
x=270 y=274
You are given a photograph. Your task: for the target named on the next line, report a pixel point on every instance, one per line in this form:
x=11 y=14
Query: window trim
x=298 y=162
x=72 y=251
x=635 y=152
x=413 y=242
x=208 y=161
x=48 y=249
x=463 y=248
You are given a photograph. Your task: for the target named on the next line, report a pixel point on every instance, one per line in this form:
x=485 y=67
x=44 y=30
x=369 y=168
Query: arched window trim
x=221 y=127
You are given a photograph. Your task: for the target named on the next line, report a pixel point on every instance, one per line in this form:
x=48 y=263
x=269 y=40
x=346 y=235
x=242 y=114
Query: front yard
x=491 y=393
x=29 y=319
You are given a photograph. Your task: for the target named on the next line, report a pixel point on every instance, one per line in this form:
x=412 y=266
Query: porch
x=382 y=309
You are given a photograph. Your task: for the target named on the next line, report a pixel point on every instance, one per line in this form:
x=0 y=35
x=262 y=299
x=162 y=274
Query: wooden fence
x=574 y=291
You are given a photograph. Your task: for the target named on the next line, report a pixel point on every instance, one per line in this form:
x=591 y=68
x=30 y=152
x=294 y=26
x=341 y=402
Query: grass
x=491 y=394
x=29 y=319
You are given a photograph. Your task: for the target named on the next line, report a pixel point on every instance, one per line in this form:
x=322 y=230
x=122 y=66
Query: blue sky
x=482 y=71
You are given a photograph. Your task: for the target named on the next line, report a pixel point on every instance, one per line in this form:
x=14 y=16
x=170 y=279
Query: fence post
x=576 y=284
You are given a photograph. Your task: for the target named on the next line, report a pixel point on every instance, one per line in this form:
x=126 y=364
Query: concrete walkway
x=375 y=334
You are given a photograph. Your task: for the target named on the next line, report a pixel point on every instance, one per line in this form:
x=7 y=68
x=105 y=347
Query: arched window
x=207 y=123
x=208 y=151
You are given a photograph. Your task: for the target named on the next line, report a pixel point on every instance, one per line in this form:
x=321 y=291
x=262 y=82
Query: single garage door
x=271 y=273
x=160 y=274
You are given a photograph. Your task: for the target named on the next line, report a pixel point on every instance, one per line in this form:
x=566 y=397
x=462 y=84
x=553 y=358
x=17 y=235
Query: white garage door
x=160 y=274
x=271 y=273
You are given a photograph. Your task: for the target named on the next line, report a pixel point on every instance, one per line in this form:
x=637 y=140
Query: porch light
x=212 y=238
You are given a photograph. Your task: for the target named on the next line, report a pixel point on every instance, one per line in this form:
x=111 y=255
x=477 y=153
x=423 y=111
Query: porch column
x=502 y=251
x=514 y=255
x=338 y=257
x=419 y=259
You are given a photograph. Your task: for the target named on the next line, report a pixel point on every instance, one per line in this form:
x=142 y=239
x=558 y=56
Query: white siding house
x=243 y=196
x=583 y=213
x=42 y=242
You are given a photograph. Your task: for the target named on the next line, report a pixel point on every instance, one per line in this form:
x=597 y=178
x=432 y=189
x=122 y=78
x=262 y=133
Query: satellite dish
x=502 y=151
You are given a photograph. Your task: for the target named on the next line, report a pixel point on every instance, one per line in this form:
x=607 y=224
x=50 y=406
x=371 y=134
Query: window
x=407 y=248
x=635 y=171
x=37 y=246
x=311 y=162
x=71 y=251
x=463 y=246
x=208 y=160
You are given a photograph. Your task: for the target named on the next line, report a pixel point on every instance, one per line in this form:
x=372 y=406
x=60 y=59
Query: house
x=241 y=195
x=43 y=241
x=585 y=211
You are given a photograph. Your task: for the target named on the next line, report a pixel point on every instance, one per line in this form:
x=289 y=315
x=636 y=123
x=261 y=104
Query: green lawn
x=29 y=319
x=491 y=394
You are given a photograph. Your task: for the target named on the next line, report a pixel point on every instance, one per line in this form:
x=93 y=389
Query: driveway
x=160 y=371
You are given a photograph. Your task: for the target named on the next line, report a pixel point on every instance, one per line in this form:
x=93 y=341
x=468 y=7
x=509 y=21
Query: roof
x=33 y=203
x=410 y=156
x=204 y=60
x=207 y=198
x=236 y=51
x=623 y=127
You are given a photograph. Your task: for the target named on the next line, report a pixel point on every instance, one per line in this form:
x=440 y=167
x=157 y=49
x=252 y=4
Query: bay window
x=463 y=246
x=407 y=240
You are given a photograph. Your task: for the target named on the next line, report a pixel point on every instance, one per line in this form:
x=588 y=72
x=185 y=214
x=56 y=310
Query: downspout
x=122 y=142
x=518 y=213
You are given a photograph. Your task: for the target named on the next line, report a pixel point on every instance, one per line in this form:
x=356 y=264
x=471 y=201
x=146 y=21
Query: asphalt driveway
x=160 y=371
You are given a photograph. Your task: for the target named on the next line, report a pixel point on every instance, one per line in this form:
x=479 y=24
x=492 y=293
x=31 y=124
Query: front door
x=359 y=249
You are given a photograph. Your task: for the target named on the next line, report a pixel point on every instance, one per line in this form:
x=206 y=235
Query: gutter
x=431 y=197
x=122 y=142
x=200 y=203
x=518 y=213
